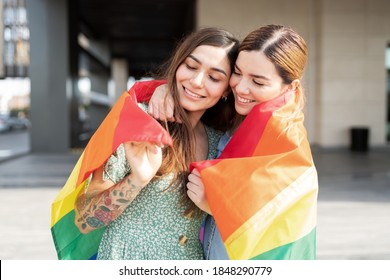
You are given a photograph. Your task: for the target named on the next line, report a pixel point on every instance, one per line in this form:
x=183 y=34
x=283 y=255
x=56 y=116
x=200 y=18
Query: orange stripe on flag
x=125 y=122
x=100 y=146
x=267 y=153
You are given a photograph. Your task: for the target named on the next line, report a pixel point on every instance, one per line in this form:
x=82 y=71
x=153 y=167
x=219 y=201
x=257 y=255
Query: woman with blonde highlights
x=270 y=64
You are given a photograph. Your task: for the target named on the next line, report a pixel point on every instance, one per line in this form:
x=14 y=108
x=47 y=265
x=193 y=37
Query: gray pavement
x=14 y=143
x=353 y=207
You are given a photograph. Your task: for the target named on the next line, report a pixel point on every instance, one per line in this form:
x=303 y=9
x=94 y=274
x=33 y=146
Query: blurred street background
x=353 y=204
x=64 y=63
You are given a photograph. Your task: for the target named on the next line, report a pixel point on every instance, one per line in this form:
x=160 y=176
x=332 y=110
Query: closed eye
x=258 y=83
x=214 y=79
x=190 y=67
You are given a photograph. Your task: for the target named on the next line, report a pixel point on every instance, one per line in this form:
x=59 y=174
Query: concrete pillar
x=120 y=75
x=1 y=41
x=49 y=56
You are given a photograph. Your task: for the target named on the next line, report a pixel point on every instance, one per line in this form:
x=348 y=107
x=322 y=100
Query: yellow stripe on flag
x=289 y=216
x=64 y=202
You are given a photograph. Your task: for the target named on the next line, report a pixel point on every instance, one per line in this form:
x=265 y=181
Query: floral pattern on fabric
x=116 y=167
x=153 y=226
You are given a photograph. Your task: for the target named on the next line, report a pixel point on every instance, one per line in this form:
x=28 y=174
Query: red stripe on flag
x=136 y=125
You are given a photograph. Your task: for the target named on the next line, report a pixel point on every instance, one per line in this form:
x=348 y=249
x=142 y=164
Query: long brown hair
x=286 y=49
x=176 y=159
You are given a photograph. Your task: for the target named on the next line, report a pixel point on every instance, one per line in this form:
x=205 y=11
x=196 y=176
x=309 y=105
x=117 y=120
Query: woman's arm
x=103 y=200
x=161 y=106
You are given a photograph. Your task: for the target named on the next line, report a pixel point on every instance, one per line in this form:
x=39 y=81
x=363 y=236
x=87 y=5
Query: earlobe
x=295 y=84
x=225 y=95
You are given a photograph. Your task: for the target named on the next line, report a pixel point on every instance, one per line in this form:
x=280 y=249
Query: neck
x=201 y=140
x=194 y=118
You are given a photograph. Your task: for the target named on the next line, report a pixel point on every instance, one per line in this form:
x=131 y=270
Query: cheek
x=233 y=81
x=217 y=90
x=274 y=93
x=259 y=96
x=178 y=75
x=181 y=73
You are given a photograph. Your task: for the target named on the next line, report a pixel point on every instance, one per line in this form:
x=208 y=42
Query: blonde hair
x=286 y=49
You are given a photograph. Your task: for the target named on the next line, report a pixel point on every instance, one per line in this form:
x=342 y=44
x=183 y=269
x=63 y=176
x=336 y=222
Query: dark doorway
x=144 y=33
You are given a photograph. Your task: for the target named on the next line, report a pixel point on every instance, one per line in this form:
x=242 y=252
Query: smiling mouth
x=190 y=93
x=244 y=100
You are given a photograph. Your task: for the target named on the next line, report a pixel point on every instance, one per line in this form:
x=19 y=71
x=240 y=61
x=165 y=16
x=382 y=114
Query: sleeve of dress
x=116 y=168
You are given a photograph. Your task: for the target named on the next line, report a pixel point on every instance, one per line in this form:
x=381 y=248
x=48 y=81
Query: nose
x=197 y=79
x=242 y=86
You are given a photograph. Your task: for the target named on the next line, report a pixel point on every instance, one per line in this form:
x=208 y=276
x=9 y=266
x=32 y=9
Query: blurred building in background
x=14 y=61
x=80 y=55
x=15 y=39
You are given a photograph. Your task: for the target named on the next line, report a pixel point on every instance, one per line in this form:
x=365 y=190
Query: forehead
x=212 y=57
x=255 y=63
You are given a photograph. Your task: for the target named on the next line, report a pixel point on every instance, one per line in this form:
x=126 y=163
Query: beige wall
x=355 y=35
x=345 y=80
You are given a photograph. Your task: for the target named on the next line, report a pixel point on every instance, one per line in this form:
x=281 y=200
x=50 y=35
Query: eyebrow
x=212 y=68
x=253 y=75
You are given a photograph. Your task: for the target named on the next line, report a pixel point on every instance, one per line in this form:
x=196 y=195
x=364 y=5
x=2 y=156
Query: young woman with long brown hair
x=142 y=186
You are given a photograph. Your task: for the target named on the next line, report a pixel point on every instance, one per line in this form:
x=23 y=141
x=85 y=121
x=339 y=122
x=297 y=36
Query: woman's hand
x=161 y=105
x=144 y=159
x=196 y=191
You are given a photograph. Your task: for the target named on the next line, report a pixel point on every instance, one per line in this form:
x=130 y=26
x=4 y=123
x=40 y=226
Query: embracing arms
x=103 y=200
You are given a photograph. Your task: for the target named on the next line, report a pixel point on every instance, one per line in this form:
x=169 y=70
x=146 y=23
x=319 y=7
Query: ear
x=227 y=92
x=294 y=84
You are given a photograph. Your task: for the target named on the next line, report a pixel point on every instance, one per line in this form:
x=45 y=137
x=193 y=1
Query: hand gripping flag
x=262 y=190
x=125 y=122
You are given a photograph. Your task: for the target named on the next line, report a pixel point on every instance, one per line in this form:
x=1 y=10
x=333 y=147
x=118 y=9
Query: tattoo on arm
x=98 y=209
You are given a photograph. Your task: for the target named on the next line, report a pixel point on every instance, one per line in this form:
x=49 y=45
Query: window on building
x=16 y=37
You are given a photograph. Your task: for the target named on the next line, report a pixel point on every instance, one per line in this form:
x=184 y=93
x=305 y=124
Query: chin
x=242 y=110
x=188 y=106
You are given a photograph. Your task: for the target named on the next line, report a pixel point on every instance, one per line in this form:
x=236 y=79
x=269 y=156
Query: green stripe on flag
x=302 y=249
x=70 y=243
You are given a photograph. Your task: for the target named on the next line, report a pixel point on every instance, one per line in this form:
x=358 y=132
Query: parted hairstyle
x=176 y=159
x=286 y=49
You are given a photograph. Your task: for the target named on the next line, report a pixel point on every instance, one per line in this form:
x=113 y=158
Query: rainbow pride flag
x=125 y=122
x=263 y=188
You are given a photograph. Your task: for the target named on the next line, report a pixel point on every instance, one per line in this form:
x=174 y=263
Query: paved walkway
x=353 y=208
x=354 y=205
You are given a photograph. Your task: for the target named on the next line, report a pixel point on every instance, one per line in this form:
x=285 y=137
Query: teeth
x=192 y=94
x=244 y=100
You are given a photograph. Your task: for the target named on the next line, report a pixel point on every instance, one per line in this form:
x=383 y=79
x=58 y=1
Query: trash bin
x=359 y=139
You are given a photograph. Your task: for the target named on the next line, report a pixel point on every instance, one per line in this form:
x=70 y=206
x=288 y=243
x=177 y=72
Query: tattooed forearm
x=98 y=209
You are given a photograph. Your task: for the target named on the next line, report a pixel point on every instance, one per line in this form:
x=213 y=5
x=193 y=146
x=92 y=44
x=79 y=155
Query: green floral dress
x=153 y=226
